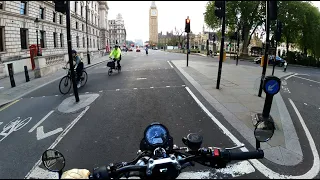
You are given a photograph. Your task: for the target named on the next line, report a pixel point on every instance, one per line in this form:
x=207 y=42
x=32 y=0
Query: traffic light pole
x=238 y=42
x=275 y=58
x=221 y=47
x=265 y=61
x=187 y=49
x=75 y=89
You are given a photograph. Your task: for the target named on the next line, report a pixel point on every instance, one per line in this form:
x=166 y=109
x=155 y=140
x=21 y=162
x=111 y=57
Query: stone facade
x=16 y=17
x=117 y=31
x=153 y=24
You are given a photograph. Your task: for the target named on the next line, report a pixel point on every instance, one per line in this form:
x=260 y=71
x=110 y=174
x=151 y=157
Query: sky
x=171 y=14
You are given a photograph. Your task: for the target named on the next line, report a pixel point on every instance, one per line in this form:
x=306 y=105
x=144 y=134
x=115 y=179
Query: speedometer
x=156 y=134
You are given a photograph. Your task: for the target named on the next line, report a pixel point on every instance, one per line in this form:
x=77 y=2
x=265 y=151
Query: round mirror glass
x=53 y=160
x=264 y=131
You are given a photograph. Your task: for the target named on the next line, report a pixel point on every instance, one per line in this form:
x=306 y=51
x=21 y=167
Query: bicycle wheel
x=65 y=85
x=84 y=78
x=110 y=72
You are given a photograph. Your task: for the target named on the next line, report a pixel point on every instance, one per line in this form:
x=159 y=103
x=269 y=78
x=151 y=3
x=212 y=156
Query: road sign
x=272 y=85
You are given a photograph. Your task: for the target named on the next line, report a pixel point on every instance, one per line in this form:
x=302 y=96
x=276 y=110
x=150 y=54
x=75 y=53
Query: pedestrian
x=285 y=66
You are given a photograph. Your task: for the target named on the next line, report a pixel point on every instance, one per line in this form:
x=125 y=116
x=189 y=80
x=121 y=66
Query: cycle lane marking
x=43 y=119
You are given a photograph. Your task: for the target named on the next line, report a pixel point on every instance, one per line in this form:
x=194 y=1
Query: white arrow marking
x=44 y=118
x=1 y=123
x=41 y=134
x=270 y=88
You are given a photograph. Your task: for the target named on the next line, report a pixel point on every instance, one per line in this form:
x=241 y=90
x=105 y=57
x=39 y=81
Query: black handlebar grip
x=258 y=154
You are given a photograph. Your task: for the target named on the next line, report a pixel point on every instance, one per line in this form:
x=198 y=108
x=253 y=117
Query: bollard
x=26 y=73
x=10 y=70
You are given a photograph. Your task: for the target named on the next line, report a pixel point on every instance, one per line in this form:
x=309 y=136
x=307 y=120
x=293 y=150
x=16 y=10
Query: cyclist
x=116 y=53
x=78 y=66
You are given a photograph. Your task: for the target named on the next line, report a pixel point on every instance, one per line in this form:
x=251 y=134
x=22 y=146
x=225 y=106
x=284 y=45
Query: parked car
x=280 y=62
x=137 y=50
x=124 y=49
x=130 y=49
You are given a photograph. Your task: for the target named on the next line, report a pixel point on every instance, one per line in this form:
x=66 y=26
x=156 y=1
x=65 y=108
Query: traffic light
x=220 y=9
x=187 y=27
x=273 y=8
x=279 y=31
x=60 y=6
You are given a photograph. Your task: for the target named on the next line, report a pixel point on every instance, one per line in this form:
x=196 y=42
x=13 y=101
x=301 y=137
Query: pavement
x=9 y=94
x=108 y=123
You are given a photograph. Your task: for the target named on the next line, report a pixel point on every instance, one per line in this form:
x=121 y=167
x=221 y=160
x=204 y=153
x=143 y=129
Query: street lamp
x=37 y=28
x=87 y=16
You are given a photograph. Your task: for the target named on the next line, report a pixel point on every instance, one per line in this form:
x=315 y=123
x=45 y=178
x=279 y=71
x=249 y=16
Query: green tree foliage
x=300 y=19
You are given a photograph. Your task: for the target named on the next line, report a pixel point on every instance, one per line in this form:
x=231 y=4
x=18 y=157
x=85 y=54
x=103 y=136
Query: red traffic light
x=188 y=21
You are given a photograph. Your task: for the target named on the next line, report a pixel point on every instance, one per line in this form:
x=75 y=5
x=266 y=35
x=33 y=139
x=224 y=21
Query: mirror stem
x=60 y=174
x=257 y=144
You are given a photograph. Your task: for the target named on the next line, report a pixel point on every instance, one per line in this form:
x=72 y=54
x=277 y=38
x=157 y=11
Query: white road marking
x=117 y=89
x=170 y=64
x=135 y=88
x=141 y=78
x=1 y=87
x=305 y=104
x=43 y=119
x=290 y=76
x=258 y=165
x=167 y=86
x=234 y=170
x=42 y=135
x=35 y=169
x=31 y=97
x=56 y=95
x=310 y=85
x=43 y=96
x=183 y=85
x=2 y=122
x=71 y=94
x=100 y=91
x=307 y=79
x=151 y=87
x=39 y=173
x=87 y=92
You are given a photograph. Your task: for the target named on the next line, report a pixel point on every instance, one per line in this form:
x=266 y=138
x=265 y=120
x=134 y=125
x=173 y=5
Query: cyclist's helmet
x=74 y=51
x=116 y=46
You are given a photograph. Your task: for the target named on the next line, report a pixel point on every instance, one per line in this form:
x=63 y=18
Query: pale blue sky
x=171 y=14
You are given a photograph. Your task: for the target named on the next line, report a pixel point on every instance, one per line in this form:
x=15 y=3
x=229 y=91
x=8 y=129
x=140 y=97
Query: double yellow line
x=8 y=105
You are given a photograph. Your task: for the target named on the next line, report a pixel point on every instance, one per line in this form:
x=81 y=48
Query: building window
x=97 y=44
x=54 y=16
x=24 y=38
x=83 y=42
x=1 y=39
x=95 y=7
x=75 y=7
x=90 y=43
x=95 y=20
x=54 y=39
x=42 y=38
x=82 y=27
x=81 y=12
x=76 y=25
x=77 y=40
x=23 y=7
x=1 y=5
x=61 y=19
x=61 y=40
x=41 y=13
x=92 y=18
x=94 y=44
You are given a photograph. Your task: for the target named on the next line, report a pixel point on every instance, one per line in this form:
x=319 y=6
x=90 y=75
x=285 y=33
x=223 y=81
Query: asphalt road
x=147 y=90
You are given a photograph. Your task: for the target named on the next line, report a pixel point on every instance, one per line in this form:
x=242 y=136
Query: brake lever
x=231 y=148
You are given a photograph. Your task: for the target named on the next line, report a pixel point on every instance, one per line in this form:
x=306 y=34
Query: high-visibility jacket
x=116 y=53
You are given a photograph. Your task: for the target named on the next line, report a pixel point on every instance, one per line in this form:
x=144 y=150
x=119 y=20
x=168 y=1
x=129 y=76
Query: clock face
x=153 y=12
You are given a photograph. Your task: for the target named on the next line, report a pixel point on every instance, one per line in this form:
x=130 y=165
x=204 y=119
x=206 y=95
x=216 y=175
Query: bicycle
x=112 y=65
x=66 y=81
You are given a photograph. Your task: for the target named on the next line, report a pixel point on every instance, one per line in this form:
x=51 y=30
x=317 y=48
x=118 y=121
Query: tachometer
x=156 y=134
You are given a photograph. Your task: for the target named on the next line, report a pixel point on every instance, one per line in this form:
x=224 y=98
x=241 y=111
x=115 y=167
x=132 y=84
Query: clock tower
x=153 y=24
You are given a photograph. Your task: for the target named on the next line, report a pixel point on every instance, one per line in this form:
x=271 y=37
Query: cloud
x=171 y=14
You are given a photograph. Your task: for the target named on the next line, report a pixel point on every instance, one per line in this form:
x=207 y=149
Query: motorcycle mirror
x=193 y=141
x=264 y=131
x=53 y=160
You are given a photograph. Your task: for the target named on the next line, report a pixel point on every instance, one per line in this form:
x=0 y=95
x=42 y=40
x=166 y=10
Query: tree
x=248 y=14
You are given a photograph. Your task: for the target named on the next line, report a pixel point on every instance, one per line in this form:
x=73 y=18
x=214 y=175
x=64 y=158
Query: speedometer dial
x=156 y=135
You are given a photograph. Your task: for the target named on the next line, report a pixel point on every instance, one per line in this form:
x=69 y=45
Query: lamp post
x=88 y=55
x=37 y=28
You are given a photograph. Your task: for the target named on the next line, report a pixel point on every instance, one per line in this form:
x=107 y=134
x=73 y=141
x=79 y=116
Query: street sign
x=272 y=85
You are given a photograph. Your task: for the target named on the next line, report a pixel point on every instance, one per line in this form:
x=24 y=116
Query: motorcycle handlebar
x=106 y=173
